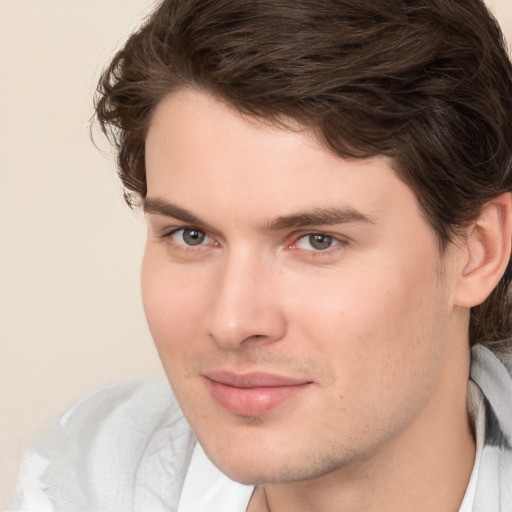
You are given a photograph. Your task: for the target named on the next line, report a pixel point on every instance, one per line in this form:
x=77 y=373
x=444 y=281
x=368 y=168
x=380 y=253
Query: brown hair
x=426 y=82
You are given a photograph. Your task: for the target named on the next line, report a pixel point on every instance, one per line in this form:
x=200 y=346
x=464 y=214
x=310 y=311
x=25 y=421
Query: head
x=429 y=87
x=411 y=97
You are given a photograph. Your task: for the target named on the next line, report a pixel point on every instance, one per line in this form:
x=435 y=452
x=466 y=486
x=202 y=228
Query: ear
x=487 y=252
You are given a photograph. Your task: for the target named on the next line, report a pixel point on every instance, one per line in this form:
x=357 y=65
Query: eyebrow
x=315 y=216
x=320 y=216
x=162 y=207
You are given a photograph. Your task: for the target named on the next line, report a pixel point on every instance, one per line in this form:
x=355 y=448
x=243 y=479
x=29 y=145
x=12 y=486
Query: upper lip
x=253 y=379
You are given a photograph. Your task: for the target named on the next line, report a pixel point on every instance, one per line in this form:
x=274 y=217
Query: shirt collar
x=206 y=488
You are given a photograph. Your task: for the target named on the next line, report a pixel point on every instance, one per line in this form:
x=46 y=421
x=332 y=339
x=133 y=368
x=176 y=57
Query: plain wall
x=71 y=319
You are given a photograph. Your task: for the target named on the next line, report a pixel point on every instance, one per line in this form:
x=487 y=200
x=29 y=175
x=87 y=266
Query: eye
x=316 y=242
x=189 y=236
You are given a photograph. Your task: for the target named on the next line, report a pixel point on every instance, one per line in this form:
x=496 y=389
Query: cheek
x=173 y=304
x=173 y=301
x=375 y=326
x=355 y=308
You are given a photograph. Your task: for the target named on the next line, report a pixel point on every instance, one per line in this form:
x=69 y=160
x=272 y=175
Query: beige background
x=71 y=319
x=70 y=315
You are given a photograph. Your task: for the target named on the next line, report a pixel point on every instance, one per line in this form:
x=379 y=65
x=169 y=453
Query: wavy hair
x=425 y=82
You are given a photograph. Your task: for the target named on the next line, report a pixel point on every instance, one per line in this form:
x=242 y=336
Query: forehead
x=203 y=155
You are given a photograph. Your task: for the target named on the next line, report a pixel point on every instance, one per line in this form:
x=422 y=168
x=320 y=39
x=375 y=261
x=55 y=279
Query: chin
x=266 y=465
x=247 y=474
x=247 y=467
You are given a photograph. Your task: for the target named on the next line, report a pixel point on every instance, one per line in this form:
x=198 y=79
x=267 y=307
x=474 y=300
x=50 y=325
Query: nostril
x=260 y=329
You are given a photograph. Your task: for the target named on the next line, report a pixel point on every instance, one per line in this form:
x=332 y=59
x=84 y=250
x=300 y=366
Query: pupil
x=320 y=242
x=193 y=236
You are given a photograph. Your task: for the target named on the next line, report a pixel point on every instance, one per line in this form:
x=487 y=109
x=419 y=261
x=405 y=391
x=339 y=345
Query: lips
x=252 y=394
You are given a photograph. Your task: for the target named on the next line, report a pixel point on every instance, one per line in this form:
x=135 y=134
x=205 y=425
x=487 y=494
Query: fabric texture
x=128 y=448
x=124 y=448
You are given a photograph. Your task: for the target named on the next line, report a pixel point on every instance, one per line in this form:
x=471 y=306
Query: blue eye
x=316 y=242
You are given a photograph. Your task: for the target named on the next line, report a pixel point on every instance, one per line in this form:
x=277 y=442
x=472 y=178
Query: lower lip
x=252 y=401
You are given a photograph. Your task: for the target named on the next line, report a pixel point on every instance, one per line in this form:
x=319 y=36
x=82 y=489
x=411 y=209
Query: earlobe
x=487 y=254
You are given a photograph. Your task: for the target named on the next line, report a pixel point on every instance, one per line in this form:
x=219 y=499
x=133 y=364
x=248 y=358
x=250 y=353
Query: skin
x=370 y=319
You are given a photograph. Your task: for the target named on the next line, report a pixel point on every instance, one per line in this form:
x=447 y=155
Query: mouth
x=252 y=394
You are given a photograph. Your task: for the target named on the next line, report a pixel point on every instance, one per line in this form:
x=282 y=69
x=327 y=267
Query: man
x=327 y=191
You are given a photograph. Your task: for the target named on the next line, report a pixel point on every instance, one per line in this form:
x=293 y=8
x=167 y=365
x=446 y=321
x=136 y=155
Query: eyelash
x=183 y=247
x=338 y=242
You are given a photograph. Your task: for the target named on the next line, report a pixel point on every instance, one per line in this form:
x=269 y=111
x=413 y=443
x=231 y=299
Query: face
x=298 y=301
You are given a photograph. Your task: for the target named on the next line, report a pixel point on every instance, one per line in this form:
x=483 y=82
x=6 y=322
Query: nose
x=245 y=307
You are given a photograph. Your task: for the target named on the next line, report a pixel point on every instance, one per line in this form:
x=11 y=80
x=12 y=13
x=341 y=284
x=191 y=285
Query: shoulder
x=122 y=446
